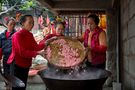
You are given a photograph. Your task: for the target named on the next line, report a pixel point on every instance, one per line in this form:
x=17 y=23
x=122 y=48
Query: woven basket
x=65 y=52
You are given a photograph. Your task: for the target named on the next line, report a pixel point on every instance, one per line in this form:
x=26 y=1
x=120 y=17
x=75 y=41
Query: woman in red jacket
x=24 y=47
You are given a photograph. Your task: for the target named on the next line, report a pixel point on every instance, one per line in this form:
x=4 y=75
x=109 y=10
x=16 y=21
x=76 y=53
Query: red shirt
x=49 y=36
x=7 y=34
x=24 y=47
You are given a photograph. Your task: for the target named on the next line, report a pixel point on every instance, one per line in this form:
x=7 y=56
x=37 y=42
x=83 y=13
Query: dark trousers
x=22 y=74
x=6 y=67
x=102 y=66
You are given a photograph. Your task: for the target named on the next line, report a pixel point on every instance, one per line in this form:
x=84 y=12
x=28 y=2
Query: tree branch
x=10 y=9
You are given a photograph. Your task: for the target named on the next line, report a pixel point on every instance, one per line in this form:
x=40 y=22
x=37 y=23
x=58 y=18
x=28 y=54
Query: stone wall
x=112 y=44
x=128 y=44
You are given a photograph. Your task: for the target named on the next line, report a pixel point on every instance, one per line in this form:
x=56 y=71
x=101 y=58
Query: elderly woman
x=6 y=46
x=24 y=47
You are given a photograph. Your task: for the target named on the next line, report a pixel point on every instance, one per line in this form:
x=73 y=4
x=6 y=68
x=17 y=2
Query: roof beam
x=48 y=4
x=82 y=5
x=56 y=6
x=81 y=12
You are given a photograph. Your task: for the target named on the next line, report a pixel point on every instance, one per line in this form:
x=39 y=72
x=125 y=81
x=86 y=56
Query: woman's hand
x=50 y=40
x=87 y=50
x=42 y=53
x=88 y=54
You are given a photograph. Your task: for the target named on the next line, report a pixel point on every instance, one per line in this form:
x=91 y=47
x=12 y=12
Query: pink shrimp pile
x=68 y=56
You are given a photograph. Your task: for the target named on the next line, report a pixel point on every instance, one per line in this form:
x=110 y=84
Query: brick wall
x=128 y=44
x=112 y=44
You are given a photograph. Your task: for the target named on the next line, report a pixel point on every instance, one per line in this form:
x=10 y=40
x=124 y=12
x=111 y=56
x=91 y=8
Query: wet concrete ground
x=29 y=87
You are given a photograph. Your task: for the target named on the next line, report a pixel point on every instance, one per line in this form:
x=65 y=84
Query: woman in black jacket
x=6 y=45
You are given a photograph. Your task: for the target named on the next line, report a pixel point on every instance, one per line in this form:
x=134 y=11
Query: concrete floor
x=35 y=87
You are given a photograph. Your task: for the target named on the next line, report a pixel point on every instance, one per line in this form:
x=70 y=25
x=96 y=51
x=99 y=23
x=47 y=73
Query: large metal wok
x=86 y=79
x=60 y=76
x=65 y=52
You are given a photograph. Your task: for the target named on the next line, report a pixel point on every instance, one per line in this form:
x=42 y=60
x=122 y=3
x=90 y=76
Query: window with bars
x=77 y=24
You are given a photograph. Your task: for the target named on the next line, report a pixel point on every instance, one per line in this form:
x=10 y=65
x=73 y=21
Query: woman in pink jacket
x=94 y=39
